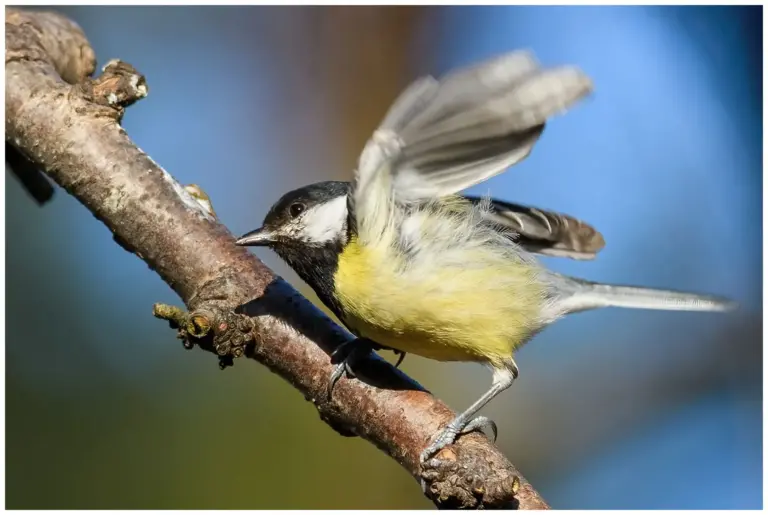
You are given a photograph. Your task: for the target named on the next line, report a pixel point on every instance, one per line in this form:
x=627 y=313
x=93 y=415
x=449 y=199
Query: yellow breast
x=476 y=308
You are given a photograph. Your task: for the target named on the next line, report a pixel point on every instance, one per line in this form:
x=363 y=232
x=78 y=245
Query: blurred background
x=614 y=409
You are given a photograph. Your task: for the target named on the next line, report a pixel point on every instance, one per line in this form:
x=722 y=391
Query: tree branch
x=68 y=126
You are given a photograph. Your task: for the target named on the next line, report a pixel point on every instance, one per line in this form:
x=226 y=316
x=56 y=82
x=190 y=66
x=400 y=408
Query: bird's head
x=311 y=216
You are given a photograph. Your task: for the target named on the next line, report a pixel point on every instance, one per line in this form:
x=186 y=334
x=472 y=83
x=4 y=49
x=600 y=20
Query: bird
x=407 y=262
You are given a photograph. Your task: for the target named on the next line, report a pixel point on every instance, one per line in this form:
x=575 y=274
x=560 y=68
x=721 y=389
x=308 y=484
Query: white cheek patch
x=325 y=222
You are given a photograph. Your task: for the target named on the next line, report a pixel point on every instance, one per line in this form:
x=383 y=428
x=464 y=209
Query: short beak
x=258 y=238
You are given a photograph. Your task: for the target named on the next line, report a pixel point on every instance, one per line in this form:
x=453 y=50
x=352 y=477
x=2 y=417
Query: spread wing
x=545 y=232
x=443 y=136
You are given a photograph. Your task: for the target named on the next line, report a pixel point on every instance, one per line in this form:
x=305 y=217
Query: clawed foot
x=448 y=435
x=344 y=356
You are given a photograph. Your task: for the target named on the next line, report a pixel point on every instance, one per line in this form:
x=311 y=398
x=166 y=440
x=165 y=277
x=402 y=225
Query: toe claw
x=494 y=429
x=482 y=423
x=400 y=358
x=338 y=371
x=348 y=369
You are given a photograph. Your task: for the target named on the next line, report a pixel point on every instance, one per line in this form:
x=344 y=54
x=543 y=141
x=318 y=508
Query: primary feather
x=443 y=136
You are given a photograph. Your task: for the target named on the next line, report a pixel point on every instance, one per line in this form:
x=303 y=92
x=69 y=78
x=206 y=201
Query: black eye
x=296 y=209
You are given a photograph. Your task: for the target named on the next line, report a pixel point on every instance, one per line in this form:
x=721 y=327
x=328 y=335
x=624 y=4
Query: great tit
x=409 y=264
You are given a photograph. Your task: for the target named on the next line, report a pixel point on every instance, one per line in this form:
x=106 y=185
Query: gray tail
x=583 y=295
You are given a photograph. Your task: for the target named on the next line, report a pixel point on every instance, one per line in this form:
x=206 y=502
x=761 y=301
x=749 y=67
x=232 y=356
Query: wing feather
x=544 y=232
x=443 y=136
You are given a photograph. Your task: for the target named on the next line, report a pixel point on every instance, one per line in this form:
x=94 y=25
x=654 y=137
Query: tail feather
x=585 y=295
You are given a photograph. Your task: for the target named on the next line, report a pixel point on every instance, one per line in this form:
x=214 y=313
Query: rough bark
x=68 y=126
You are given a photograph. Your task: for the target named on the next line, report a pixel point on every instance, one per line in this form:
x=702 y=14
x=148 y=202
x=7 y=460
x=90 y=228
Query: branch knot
x=118 y=87
x=212 y=328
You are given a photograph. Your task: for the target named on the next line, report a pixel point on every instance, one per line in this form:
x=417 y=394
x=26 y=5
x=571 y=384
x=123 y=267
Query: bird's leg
x=400 y=357
x=465 y=423
x=345 y=355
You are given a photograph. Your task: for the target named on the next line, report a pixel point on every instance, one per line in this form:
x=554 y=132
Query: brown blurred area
x=351 y=61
